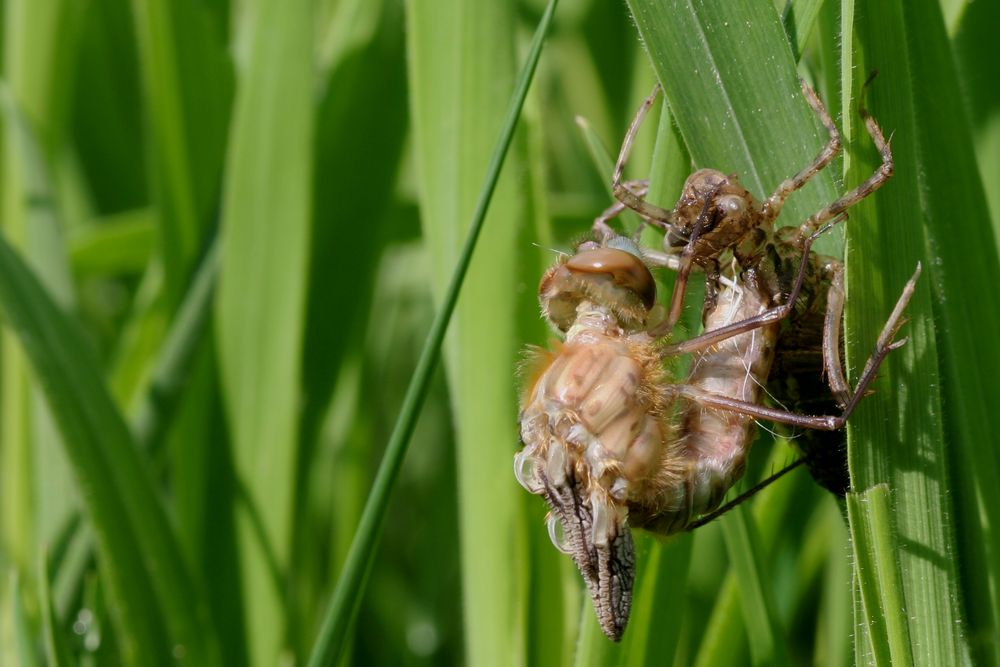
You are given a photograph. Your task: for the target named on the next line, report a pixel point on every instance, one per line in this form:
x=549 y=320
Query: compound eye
x=625 y=269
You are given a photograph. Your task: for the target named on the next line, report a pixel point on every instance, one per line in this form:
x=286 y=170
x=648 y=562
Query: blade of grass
x=798 y=18
x=935 y=182
x=134 y=534
x=345 y=598
x=119 y=245
x=764 y=630
x=727 y=629
x=875 y=548
x=56 y=651
x=459 y=87
x=172 y=365
x=260 y=302
x=978 y=70
x=834 y=634
x=42 y=42
x=23 y=636
x=344 y=259
x=187 y=91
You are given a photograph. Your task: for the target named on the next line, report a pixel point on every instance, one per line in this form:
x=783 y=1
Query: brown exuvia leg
x=883 y=347
x=870 y=185
x=654 y=214
x=773 y=204
x=831 y=338
x=601 y=227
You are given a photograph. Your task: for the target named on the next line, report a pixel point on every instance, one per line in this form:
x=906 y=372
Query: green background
x=227 y=227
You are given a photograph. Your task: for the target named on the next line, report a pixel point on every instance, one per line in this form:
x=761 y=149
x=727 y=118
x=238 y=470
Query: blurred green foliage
x=227 y=225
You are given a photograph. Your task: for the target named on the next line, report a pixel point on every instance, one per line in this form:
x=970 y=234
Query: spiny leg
x=831 y=337
x=769 y=316
x=883 y=347
x=870 y=185
x=773 y=204
x=620 y=189
x=601 y=227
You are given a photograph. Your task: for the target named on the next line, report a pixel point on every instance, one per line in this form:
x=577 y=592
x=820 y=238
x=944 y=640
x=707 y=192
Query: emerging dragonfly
x=609 y=440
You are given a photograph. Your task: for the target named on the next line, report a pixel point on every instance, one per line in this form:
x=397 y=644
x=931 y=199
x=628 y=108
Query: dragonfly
x=610 y=440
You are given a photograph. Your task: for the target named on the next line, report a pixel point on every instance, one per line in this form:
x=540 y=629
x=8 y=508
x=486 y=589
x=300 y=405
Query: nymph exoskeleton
x=609 y=440
x=774 y=268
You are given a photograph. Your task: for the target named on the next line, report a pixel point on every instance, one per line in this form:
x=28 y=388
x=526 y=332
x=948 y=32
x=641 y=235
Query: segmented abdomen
x=716 y=442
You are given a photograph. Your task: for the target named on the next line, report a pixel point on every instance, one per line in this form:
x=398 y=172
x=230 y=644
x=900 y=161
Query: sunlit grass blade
x=187 y=88
x=57 y=653
x=462 y=67
x=936 y=182
x=799 y=17
x=599 y=153
x=39 y=44
x=134 y=535
x=764 y=632
x=362 y=113
x=172 y=366
x=23 y=637
x=260 y=302
x=658 y=611
x=874 y=546
x=977 y=70
x=116 y=246
x=726 y=634
x=344 y=603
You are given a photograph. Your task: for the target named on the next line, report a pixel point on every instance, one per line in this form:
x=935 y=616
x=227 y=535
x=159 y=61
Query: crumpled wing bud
x=605 y=555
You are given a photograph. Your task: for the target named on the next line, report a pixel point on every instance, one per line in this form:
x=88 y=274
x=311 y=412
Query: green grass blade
x=56 y=650
x=875 y=547
x=799 y=17
x=936 y=183
x=727 y=629
x=173 y=364
x=23 y=637
x=339 y=615
x=186 y=89
x=977 y=72
x=764 y=631
x=344 y=263
x=134 y=535
x=116 y=246
x=599 y=153
x=260 y=302
x=34 y=97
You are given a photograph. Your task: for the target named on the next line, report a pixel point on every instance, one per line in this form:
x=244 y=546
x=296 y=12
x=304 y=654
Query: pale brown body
x=719 y=440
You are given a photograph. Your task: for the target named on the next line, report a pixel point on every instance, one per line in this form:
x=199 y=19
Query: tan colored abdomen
x=717 y=441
